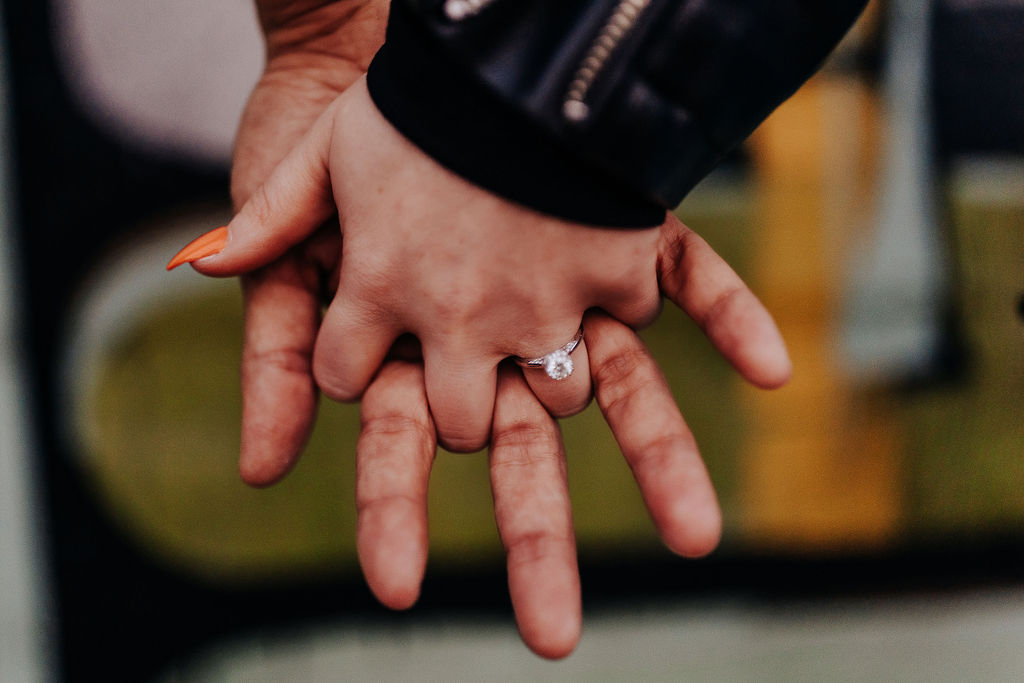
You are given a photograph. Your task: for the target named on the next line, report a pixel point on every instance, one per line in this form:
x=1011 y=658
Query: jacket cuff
x=466 y=128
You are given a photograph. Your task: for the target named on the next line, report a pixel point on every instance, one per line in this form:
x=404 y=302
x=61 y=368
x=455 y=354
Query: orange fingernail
x=205 y=245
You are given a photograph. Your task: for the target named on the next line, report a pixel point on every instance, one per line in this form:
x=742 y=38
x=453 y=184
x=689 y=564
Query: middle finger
x=534 y=518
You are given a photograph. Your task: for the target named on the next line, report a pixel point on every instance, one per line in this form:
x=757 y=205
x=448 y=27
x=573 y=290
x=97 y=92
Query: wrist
x=439 y=106
x=311 y=32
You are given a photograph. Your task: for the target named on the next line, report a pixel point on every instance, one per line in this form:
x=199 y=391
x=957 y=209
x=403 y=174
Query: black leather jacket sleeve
x=605 y=112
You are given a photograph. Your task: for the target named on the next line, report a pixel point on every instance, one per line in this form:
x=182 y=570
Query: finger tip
x=695 y=534
x=763 y=358
x=782 y=376
x=264 y=461
x=397 y=597
x=557 y=640
x=462 y=442
x=572 y=407
x=396 y=590
x=334 y=387
x=775 y=373
x=555 y=652
x=463 y=414
x=205 y=245
x=694 y=547
x=257 y=474
x=548 y=607
x=337 y=384
x=393 y=561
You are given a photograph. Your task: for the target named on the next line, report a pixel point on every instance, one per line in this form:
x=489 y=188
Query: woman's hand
x=474 y=277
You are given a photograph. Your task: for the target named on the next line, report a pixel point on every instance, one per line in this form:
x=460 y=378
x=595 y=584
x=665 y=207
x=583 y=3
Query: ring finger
x=560 y=379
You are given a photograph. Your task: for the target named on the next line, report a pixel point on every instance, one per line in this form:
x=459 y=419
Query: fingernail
x=205 y=245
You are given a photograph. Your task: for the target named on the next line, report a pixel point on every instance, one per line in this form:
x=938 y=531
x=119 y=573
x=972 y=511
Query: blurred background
x=874 y=508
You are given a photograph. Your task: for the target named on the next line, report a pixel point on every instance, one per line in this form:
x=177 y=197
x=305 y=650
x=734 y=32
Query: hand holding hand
x=474 y=277
x=313 y=57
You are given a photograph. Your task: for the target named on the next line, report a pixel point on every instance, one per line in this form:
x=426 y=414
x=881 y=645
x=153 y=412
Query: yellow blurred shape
x=819 y=469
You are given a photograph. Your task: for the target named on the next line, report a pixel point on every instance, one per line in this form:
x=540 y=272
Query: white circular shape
x=575 y=110
x=558 y=365
x=457 y=10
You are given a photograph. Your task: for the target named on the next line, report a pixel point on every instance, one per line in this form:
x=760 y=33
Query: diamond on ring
x=558 y=365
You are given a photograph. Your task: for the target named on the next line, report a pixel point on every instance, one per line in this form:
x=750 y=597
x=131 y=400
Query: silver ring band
x=557 y=364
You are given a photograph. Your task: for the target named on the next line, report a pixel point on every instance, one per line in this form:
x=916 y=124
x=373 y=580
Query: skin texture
x=473 y=277
x=316 y=51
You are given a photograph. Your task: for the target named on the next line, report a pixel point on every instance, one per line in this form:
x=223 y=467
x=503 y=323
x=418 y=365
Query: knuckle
x=292 y=361
x=369 y=281
x=720 y=306
x=457 y=302
x=387 y=500
x=260 y=206
x=659 y=453
x=370 y=278
x=619 y=368
x=394 y=425
x=672 y=271
x=524 y=444
x=449 y=312
x=530 y=546
x=672 y=247
x=621 y=377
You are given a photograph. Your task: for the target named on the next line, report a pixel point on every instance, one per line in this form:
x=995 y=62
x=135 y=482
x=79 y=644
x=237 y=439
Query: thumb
x=287 y=208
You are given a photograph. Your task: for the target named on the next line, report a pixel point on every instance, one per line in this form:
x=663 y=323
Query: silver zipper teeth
x=621 y=22
x=457 y=10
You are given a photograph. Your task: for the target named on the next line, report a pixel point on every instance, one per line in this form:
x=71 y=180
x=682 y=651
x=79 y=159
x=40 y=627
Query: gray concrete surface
x=970 y=637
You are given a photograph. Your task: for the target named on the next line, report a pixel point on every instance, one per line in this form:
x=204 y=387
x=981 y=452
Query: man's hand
x=528 y=471
x=315 y=50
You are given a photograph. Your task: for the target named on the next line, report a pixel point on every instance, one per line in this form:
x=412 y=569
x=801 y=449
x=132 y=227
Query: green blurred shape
x=965 y=439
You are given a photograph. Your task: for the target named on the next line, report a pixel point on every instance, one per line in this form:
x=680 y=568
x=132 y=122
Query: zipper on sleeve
x=622 y=20
x=457 y=10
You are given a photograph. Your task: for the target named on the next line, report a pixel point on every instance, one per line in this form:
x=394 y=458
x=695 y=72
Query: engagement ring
x=557 y=364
